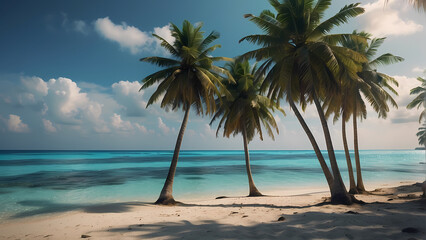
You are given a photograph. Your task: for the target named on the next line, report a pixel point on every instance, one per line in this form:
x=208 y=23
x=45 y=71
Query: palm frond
x=385 y=59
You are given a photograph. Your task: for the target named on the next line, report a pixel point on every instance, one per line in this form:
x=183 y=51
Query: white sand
x=238 y=218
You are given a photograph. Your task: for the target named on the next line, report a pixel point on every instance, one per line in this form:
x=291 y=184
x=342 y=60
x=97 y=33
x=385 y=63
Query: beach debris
x=410 y=230
x=352 y=212
x=46 y=236
x=220 y=197
x=85 y=236
x=281 y=219
x=244 y=216
x=390 y=199
x=234 y=212
x=295 y=212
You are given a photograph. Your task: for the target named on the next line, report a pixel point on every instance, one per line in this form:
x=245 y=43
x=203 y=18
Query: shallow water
x=38 y=182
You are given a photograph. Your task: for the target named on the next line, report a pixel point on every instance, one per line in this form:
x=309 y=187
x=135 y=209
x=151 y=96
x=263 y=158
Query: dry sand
x=388 y=210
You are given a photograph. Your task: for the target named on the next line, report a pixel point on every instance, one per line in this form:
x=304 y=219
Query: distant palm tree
x=420 y=99
x=303 y=63
x=189 y=79
x=368 y=84
x=245 y=110
x=422 y=135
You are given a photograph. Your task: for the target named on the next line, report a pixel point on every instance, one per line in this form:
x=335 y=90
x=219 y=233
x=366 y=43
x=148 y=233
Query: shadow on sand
x=48 y=207
x=369 y=224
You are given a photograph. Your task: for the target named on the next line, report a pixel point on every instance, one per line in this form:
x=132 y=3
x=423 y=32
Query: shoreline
x=305 y=214
x=288 y=191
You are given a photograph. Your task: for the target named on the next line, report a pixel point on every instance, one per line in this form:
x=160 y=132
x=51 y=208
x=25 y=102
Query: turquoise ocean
x=40 y=182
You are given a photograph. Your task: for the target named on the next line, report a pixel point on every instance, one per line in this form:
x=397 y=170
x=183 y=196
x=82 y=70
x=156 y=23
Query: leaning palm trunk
x=314 y=144
x=166 y=195
x=339 y=195
x=254 y=192
x=359 y=183
x=352 y=188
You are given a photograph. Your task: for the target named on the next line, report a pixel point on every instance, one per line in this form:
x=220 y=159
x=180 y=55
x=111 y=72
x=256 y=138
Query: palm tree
x=245 y=110
x=420 y=99
x=189 y=80
x=370 y=84
x=303 y=64
x=422 y=135
x=419 y=4
x=341 y=105
x=375 y=91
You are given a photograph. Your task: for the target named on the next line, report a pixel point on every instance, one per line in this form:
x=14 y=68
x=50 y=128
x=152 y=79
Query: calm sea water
x=39 y=182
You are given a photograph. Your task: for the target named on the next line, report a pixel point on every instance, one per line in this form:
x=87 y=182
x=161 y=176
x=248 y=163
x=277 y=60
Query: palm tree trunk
x=314 y=144
x=339 y=195
x=359 y=183
x=252 y=187
x=352 y=188
x=166 y=195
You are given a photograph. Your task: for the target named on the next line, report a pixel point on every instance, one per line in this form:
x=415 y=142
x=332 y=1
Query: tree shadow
x=382 y=223
x=49 y=207
x=403 y=189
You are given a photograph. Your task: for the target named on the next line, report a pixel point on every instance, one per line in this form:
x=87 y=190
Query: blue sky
x=70 y=72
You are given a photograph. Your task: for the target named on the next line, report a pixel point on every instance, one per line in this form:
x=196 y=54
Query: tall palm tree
x=189 y=79
x=420 y=99
x=341 y=105
x=303 y=64
x=422 y=135
x=245 y=110
x=375 y=92
x=373 y=86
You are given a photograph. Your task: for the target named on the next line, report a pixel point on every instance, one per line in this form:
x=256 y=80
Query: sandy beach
x=391 y=211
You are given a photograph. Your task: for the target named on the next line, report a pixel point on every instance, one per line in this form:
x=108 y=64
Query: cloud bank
x=390 y=21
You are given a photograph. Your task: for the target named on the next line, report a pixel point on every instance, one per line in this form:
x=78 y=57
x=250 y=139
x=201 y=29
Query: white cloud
x=126 y=126
x=127 y=94
x=119 y=124
x=131 y=37
x=162 y=126
x=35 y=85
x=127 y=36
x=141 y=128
x=48 y=125
x=419 y=70
x=166 y=34
x=92 y=87
x=208 y=131
x=67 y=104
x=81 y=27
x=32 y=91
x=382 y=19
x=15 y=124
